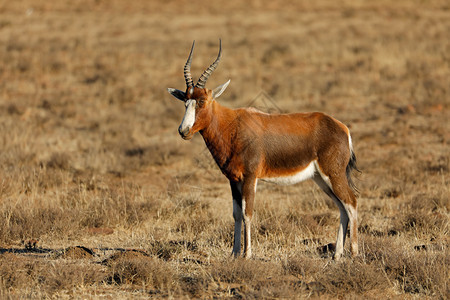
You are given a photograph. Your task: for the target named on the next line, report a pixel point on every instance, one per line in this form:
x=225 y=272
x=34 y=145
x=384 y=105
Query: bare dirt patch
x=77 y=252
x=126 y=255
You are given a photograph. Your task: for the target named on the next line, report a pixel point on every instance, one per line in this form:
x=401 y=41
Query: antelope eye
x=201 y=102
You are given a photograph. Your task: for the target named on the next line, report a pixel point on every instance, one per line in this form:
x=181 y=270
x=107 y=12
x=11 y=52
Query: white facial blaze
x=189 y=116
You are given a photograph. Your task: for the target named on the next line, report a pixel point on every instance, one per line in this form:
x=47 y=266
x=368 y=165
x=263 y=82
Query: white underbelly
x=300 y=176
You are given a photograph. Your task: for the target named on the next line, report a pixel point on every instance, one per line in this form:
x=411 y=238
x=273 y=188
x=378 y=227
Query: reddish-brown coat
x=246 y=142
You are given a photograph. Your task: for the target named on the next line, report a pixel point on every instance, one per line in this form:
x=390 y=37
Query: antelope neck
x=219 y=132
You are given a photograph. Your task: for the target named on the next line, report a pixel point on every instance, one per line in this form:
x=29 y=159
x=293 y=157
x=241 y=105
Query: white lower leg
x=247 y=236
x=353 y=216
x=248 y=241
x=342 y=232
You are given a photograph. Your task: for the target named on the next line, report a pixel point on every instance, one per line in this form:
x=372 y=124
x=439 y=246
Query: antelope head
x=197 y=99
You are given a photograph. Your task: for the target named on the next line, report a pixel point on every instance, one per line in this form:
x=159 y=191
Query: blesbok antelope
x=249 y=145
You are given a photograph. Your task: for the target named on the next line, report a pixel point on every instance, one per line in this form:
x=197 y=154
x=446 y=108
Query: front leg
x=248 y=196
x=236 y=191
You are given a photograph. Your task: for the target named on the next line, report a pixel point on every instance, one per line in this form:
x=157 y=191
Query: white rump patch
x=350 y=142
x=303 y=175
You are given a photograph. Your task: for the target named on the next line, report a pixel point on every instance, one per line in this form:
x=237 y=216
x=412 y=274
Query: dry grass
x=92 y=167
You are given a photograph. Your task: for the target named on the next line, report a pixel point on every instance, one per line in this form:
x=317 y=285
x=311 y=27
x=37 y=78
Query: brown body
x=249 y=145
x=264 y=145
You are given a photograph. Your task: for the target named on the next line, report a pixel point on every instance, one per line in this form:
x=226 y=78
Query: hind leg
x=344 y=218
x=340 y=187
x=353 y=218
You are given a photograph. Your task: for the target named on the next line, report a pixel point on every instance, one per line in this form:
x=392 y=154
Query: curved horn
x=187 y=68
x=202 y=80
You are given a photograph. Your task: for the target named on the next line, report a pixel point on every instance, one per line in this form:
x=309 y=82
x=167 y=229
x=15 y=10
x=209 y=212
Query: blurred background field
x=90 y=155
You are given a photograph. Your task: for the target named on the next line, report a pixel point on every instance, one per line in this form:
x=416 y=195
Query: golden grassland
x=92 y=167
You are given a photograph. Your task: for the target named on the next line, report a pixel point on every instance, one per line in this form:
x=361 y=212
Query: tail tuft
x=350 y=167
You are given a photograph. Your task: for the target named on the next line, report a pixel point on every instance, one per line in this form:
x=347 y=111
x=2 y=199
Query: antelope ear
x=220 y=89
x=180 y=95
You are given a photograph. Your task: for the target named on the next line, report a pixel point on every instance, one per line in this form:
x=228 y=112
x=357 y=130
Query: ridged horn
x=202 y=80
x=187 y=68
